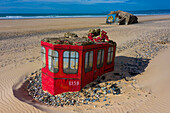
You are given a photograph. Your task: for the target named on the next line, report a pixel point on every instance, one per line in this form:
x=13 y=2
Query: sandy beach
x=145 y=92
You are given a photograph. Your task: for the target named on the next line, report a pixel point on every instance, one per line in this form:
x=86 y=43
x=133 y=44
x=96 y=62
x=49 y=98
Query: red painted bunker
x=69 y=66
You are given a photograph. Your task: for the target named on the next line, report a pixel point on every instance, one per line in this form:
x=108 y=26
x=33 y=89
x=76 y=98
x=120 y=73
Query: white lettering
x=73 y=83
x=69 y=83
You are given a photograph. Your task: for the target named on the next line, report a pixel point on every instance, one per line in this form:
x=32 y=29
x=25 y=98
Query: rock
x=150 y=92
x=95 y=90
x=61 y=104
x=93 y=100
x=109 y=91
x=86 y=103
x=105 y=92
x=128 y=78
x=103 y=77
x=70 y=35
x=103 y=88
x=116 y=73
x=116 y=91
x=114 y=86
x=107 y=104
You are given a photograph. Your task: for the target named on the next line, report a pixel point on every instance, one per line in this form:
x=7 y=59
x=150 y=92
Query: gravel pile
x=96 y=92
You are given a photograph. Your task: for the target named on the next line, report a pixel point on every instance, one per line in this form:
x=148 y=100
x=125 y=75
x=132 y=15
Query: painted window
x=43 y=58
x=110 y=55
x=53 y=61
x=70 y=62
x=88 y=61
x=100 y=58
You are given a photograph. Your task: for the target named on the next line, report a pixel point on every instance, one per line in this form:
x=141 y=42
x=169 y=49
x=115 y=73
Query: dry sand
x=20 y=55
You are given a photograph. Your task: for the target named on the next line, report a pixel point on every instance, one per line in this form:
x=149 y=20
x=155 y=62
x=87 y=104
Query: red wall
x=56 y=83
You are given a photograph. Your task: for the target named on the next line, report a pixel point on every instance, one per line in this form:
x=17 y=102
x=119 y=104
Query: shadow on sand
x=23 y=95
x=125 y=68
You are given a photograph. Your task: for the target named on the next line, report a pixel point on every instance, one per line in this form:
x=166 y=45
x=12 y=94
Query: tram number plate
x=74 y=83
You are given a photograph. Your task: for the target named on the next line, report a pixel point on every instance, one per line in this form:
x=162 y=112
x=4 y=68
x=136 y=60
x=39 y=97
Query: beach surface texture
x=142 y=64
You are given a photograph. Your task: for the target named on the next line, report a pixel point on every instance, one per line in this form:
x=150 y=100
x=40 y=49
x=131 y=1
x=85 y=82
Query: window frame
x=70 y=71
x=101 y=59
x=110 y=55
x=88 y=68
x=52 y=61
x=43 y=53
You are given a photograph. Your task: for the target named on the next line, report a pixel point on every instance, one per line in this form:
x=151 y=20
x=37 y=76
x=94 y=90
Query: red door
x=99 y=62
x=88 y=66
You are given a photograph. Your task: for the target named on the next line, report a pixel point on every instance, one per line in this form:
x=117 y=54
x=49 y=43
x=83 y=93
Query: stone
x=103 y=88
x=128 y=78
x=103 y=77
x=139 y=94
x=105 y=92
x=108 y=91
x=107 y=104
x=116 y=91
x=70 y=35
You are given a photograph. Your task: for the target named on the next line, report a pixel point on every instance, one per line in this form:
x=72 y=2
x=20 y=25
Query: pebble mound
x=93 y=93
